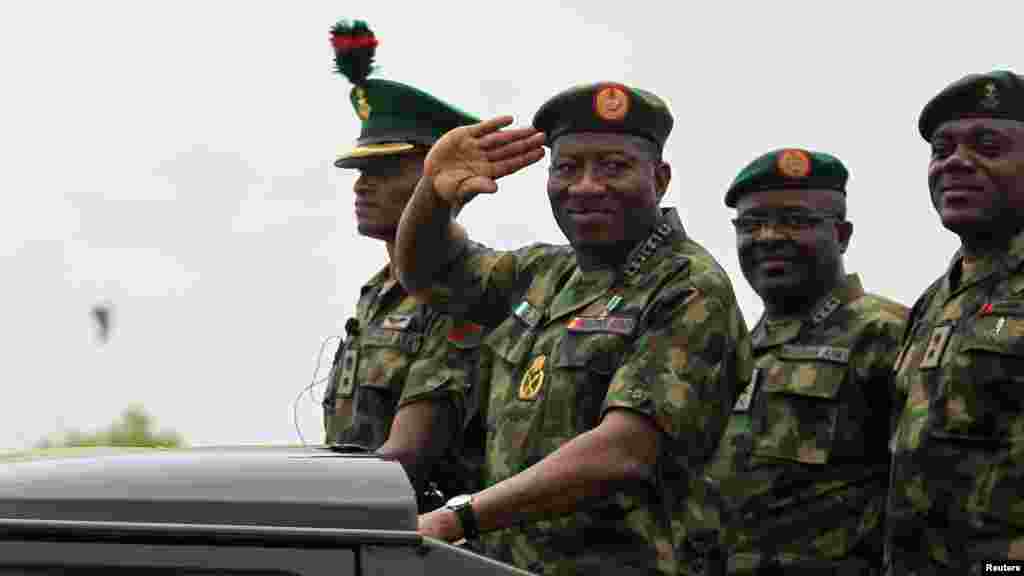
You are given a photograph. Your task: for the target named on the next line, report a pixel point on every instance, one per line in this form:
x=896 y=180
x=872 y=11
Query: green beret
x=789 y=168
x=605 y=107
x=396 y=117
x=998 y=94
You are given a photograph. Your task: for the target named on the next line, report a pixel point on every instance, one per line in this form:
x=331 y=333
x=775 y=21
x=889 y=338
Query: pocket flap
x=1013 y=307
x=805 y=378
x=835 y=354
x=407 y=341
x=600 y=352
x=997 y=333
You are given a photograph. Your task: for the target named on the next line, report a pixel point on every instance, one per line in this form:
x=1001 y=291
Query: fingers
x=530 y=140
x=516 y=163
x=470 y=187
x=488 y=126
x=497 y=139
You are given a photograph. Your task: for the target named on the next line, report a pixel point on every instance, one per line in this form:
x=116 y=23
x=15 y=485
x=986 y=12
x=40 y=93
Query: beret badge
x=362 y=106
x=611 y=103
x=990 y=98
x=793 y=163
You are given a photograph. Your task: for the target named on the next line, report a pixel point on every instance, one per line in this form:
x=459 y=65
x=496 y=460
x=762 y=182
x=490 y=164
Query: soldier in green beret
x=616 y=358
x=405 y=379
x=956 y=502
x=799 y=479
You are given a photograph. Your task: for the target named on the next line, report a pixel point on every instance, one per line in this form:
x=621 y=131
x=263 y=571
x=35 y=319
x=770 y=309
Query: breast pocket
x=585 y=363
x=797 y=405
x=517 y=394
x=981 y=395
x=980 y=418
x=384 y=357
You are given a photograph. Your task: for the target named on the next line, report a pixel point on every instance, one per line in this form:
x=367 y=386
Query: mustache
x=589 y=205
x=772 y=249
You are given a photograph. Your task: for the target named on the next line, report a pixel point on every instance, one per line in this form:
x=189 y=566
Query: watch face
x=460 y=500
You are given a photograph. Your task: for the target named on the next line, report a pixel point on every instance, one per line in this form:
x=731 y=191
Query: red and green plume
x=354 y=47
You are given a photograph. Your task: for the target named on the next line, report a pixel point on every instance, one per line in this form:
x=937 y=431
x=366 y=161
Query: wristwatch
x=462 y=506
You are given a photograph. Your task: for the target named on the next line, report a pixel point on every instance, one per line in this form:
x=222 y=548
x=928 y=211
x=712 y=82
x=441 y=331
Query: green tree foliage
x=133 y=428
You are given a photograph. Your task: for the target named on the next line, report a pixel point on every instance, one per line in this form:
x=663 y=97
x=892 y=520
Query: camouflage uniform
x=957 y=492
x=662 y=336
x=398 y=351
x=802 y=469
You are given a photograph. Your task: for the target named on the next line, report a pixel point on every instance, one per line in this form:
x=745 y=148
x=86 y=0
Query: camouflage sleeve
x=476 y=284
x=454 y=366
x=887 y=351
x=482 y=285
x=684 y=368
x=872 y=364
x=905 y=341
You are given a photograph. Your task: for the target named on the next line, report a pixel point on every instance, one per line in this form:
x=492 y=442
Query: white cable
x=314 y=382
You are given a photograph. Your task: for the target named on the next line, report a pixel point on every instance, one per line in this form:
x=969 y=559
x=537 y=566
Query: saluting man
x=405 y=379
x=802 y=471
x=956 y=501
x=616 y=359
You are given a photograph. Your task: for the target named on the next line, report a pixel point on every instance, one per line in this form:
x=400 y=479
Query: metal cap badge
x=990 y=98
x=793 y=163
x=611 y=103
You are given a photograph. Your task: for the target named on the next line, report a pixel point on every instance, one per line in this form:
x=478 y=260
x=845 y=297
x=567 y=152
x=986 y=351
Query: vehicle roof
x=312 y=487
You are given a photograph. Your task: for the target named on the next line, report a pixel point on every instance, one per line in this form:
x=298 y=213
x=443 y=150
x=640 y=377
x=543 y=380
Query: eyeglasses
x=787 y=223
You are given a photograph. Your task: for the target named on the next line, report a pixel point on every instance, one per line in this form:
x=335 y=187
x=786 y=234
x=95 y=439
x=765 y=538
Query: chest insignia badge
x=533 y=379
x=936 y=346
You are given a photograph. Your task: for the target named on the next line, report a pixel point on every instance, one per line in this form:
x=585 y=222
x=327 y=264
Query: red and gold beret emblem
x=611 y=103
x=794 y=163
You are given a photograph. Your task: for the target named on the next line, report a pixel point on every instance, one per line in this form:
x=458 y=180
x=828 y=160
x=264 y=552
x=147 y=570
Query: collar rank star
x=647 y=249
x=532 y=380
x=827 y=308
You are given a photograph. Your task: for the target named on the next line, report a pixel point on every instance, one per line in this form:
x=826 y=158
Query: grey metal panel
x=306 y=487
x=227 y=535
x=91 y=555
x=432 y=558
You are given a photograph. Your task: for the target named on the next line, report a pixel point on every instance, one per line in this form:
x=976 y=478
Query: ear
x=662 y=176
x=844 y=230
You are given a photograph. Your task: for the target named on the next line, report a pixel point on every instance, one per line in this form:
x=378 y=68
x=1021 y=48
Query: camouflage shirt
x=802 y=469
x=398 y=351
x=957 y=492
x=661 y=336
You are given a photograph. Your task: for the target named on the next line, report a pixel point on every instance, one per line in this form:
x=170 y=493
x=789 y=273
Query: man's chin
x=781 y=287
x=592 y=242
x=965 y=223
x=385 y=233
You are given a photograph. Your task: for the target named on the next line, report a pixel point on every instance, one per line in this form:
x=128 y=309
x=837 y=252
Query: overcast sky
x=175 y=158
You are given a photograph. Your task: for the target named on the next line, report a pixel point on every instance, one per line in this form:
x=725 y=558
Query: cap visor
x=357 y=155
